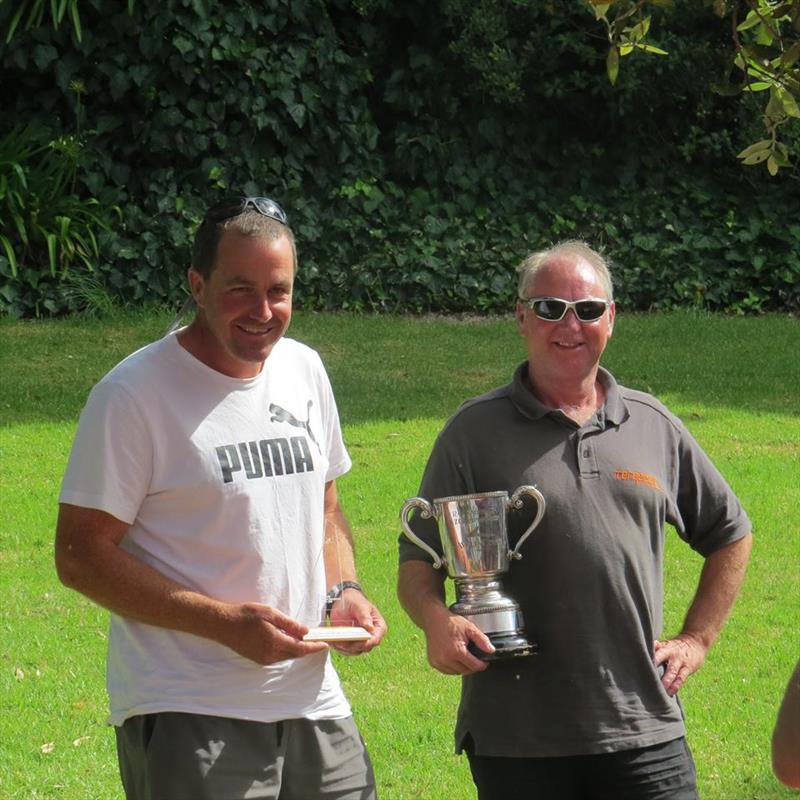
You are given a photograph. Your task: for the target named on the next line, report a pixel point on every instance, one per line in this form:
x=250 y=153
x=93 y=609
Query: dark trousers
x=660 y=772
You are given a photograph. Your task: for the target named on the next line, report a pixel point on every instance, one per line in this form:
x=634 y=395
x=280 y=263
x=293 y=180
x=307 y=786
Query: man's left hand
x=681 y=656
x=353 y=608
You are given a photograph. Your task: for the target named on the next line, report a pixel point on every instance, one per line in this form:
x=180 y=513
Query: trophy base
x=508 y=645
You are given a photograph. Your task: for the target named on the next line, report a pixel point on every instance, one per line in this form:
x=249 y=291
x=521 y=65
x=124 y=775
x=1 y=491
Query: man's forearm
x=720 y=581
x=113 y=578
x=420 y=589
x=90 y=560
x=338 y=551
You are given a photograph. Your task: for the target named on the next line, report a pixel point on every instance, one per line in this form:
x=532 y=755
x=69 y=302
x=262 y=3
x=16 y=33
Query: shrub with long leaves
x=46 y=227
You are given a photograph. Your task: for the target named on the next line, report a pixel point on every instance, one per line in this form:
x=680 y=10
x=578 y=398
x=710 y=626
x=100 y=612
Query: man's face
x=567 y=349
x=245 y=305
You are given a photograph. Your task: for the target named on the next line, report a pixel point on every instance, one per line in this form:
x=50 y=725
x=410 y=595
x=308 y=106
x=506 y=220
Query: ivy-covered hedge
x=421 y=149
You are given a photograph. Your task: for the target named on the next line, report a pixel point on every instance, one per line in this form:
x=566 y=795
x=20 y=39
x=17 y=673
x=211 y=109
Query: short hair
x=206 y=241
x=571 y=247
x=248 y=223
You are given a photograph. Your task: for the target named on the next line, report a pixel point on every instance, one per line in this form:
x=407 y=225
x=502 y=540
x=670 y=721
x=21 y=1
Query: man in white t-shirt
x=199 y=506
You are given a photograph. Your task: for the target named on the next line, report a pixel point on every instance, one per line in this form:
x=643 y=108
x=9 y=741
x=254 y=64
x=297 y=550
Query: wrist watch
x=336 y=592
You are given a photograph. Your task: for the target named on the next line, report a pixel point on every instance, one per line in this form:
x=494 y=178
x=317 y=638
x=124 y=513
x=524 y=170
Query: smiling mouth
x=252 y=331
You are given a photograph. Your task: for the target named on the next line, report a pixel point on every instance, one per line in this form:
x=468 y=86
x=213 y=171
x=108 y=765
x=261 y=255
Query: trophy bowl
x=476 y=553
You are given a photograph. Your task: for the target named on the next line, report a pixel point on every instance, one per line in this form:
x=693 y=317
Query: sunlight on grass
x=396 y=382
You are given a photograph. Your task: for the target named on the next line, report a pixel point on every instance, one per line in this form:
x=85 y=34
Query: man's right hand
x=448 y=642
x=421 y=591
x=265 y=635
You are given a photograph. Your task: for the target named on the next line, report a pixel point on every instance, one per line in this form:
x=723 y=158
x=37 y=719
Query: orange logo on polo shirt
x=638 y=477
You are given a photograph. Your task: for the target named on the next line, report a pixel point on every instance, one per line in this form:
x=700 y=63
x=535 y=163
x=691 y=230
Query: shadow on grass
x=404 y=368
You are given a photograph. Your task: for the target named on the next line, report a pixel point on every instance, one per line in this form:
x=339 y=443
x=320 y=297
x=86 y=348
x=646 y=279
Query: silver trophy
x=472 y=528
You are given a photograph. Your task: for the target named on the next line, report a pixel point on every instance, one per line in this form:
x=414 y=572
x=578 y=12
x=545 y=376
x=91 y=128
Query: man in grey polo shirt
x=595 y=714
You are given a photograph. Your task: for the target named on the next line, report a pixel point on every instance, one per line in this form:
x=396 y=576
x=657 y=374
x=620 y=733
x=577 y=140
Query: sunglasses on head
x=234 y=206
x=553 y=309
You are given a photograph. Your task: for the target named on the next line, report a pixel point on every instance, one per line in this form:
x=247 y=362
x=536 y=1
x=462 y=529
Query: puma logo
x=282 y=415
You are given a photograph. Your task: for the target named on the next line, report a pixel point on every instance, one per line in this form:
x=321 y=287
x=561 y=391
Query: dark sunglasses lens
x=551 y=310
x=269 y=208
x=590 y=310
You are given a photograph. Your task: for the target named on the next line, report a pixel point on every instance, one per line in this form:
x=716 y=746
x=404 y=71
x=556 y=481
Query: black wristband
x=336 y=592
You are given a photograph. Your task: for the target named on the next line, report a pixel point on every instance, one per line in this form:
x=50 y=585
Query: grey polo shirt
x=590 y=581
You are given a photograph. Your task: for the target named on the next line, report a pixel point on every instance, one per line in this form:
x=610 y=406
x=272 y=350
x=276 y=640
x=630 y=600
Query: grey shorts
x=175 y=756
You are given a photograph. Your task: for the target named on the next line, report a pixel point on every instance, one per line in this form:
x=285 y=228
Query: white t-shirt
x=222 y=481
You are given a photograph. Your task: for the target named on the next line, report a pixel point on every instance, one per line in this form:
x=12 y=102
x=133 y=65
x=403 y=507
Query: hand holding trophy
x=472 y=529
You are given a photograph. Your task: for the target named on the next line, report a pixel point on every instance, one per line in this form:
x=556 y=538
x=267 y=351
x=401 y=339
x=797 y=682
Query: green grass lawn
x=735 y=381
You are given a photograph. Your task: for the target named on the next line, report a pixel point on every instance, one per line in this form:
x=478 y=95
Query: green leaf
x=757 y=147
x=639 y=31
x=63 y=227
x=757 y=158
x=12 y=26
x=76 y=20
x=772 y=166
x=297 y=112
x=788 y=103
x=725 y=89
x=612 y=64
x=649 y=48
x=57 y=10
x=44 y=55
x=774 y=110
x=758 y=86
x=781 y=156
x=750 y=21
x=35 y=15
x=182 y=45
x=22 y=230
x=18 y=169
x=52 y=247
x=10 y=255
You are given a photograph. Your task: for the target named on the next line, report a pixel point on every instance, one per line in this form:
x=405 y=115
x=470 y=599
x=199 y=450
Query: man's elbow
x=73 y=560
x=68 y=567
x=86 y=539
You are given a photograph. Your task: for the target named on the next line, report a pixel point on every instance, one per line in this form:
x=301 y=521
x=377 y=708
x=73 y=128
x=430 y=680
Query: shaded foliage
x=422 y=149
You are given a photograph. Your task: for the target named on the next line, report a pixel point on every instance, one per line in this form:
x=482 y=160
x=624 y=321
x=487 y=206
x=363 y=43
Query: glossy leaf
x=764 y=144
x=757 y=157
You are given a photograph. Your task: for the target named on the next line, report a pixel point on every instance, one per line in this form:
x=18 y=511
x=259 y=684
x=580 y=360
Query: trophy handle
x=427 y=512
x=516 y=502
